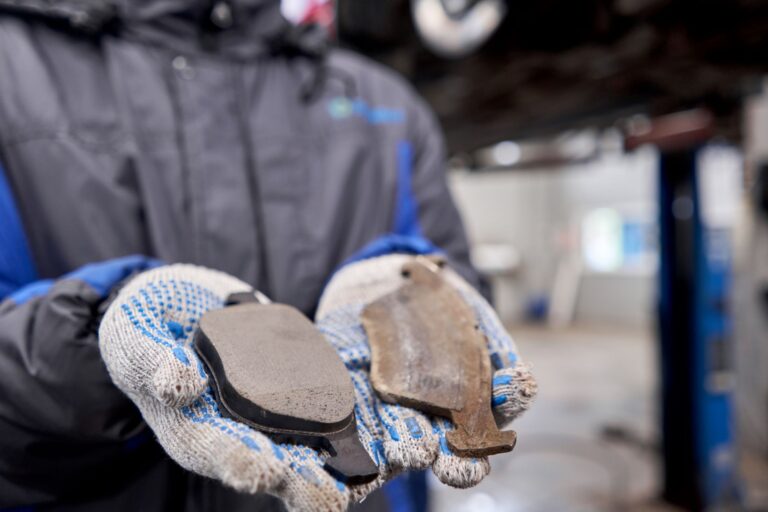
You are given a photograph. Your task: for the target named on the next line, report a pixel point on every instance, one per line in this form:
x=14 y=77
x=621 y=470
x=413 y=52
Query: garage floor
x=587 y=444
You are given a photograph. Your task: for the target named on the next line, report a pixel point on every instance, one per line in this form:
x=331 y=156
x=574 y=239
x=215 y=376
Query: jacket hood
x=152 y=9
x=238 y=27
x=241 y=28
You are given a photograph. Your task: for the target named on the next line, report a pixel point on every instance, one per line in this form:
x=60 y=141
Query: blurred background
x=610 y=159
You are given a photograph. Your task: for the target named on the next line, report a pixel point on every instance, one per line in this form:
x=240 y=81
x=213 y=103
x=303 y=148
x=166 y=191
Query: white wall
x=539 y=211
x=514 y=209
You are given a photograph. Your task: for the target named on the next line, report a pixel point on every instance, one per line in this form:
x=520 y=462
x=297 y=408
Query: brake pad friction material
x=428 y=353
x=272 y=370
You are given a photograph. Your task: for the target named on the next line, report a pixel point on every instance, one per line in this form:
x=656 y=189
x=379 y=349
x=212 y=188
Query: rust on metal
x=428 y=353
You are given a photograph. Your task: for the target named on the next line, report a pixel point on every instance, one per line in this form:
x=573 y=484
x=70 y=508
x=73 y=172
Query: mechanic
x=182 y=131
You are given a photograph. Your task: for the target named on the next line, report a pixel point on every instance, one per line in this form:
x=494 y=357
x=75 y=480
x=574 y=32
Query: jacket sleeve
x=65 y=429
x=438 y=218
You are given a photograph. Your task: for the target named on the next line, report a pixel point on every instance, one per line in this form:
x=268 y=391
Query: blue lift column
x=698 y=455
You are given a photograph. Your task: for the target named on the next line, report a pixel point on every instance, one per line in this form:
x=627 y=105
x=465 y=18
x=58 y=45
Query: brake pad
x=428 y=353
x=272 y=370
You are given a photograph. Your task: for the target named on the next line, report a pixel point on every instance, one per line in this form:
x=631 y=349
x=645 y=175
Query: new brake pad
x=272 y=370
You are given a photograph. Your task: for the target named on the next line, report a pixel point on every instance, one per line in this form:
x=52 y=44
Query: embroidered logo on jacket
x=343 y=108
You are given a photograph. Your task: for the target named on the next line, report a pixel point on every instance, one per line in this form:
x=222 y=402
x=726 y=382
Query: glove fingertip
x=514 y=390
x=460 y=472
x=308 y=489
x=178 y=380
x=248 y=473
x=411 y=444
x=357 y=493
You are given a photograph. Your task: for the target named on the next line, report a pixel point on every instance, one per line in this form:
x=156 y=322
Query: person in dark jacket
x=184 y=131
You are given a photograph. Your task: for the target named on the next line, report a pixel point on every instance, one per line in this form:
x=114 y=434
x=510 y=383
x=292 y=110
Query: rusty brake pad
x=428 y=353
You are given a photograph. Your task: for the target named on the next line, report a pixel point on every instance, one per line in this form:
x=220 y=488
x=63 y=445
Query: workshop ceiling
x=552 y=65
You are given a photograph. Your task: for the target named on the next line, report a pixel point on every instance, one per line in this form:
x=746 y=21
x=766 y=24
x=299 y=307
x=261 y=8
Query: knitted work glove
x=145 y=340
x=400 y=438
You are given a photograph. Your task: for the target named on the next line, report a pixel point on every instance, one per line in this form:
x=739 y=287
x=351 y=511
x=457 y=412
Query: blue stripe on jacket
x=406 y=235
x=18 y=276
x=17 y=267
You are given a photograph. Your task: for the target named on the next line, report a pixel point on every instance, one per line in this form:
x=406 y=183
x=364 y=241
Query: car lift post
x=698 y=455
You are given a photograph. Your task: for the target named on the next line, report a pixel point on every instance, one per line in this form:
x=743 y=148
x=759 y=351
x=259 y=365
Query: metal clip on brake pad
x=272 y=370
x=428 y=353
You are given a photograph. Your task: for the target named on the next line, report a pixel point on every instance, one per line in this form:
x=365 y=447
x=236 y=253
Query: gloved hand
x=399 y=438
x=145 y=340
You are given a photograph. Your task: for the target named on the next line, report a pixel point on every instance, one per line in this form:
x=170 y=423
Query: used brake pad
x=428 y=353
x=272 y=370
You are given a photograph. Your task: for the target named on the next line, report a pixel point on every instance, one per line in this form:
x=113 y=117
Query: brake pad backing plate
x=428 y=353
